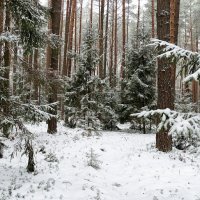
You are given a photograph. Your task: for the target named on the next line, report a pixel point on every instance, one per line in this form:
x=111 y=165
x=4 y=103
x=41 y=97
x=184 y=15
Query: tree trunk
x=53 y=70
x=111 y=48
x=7 y=63
x=80 y=25
x=36 y=81
x=123 y=37
x=115 y=45
x=166 y=70
x=153 y=18
x=106 y=39
x=1 y=26
x=127 y=21
x=91 y=14
x=138 y=26
x=101 y=40
x=67 y=23
x=71 y=36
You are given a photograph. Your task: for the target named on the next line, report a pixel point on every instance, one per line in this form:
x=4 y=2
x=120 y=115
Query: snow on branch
x=8 y=37
x=195 y=76
x=171 y=51
x=178 y=124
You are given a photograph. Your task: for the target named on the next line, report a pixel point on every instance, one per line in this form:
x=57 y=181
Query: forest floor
x=124 y=167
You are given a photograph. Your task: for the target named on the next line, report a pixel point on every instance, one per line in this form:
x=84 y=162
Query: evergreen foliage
x=138 y=86
x=30 y=18
x=85 y=94
x=184 y=127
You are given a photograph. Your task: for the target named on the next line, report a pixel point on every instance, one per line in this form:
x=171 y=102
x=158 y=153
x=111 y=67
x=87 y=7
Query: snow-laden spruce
x=184 y=127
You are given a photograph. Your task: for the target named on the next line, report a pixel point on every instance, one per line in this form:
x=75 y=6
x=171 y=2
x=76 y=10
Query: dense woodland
x=96 y=63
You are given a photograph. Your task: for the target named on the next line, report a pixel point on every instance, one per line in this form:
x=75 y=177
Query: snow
x=130 y=168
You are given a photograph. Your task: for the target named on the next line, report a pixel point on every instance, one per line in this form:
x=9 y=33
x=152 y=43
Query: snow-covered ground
x=130 y=168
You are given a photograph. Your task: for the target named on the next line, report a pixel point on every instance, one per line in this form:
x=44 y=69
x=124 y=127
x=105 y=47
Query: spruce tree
x=139 y=82
x=87 y=98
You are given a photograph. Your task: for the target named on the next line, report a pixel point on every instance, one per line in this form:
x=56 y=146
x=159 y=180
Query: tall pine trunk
x=101 y=40
x=123 y=37
x=53 y=69
x=115 y=44
x=166 y=30
x=7 y=63
x=106 y=38
x=153 y=18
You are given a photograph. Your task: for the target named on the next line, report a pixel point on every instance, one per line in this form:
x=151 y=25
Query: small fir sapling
x=93 y=159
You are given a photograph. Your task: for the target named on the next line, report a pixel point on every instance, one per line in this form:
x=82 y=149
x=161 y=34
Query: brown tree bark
x=115 y=44
x=111 y=47
x=61 y=36
x=75 y=36
x=166 y=31
x=127 y=21
x=36 y=83
x=123 y=37
x=91 y=14
x=53 y=69
x=71 y=37
x=138 y=25
x=7 y=63
x=106 y=38
x=67 y=24
x=153 y=18
x=80 y=25
x=101 y=40
x=1 y=26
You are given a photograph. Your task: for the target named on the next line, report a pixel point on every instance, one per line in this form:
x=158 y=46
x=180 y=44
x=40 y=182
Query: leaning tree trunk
x=166 y=30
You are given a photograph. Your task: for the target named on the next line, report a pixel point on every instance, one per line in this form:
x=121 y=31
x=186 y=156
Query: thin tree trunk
x=127 y=21
x=75 y=37
x=123 y=37
x=80 y=25
x=138 y=25
x=71 y=36
x=67 y=24
x=111 y=47
x=36 y=81
x=91 y=14
x=1 y=26
x=101 y=40
x=153 y=18
x=115 y=44
x=106 y=38
x=61 y=34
